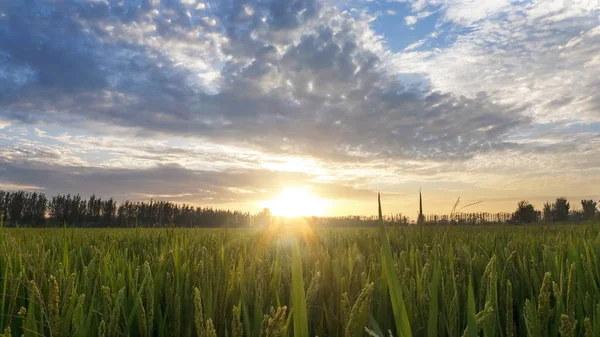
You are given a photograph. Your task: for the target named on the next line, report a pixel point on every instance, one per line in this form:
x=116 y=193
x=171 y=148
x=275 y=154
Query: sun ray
x=297 y=202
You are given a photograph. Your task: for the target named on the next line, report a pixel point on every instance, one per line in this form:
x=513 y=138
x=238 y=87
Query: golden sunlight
x=297 y=202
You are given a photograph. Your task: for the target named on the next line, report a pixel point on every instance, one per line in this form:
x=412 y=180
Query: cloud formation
x=190 y=96
x=541 y=55
x=284 y=76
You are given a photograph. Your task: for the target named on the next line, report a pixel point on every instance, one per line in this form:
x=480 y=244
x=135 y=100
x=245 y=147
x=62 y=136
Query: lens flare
x=297 y=202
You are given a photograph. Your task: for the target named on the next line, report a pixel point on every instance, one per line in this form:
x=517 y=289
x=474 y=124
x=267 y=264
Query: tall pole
x=421 y=219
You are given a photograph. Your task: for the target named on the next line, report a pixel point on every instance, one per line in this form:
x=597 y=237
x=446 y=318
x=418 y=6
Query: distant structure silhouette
x=421 y=219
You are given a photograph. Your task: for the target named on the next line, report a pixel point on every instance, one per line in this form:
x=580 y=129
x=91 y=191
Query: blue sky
x=230 y=103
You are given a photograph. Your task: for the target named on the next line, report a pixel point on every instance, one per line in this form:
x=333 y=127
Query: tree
x=525 y=212
x=4 y=198
x=57 y=209
x=94 y=209
x=15 y=207
x=263 y=219
x=109 y=210
x=589 y=209
x=548 y=212
x=560 y=209
x=35 y=210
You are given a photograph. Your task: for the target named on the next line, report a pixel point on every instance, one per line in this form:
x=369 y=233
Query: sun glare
x=297 y=202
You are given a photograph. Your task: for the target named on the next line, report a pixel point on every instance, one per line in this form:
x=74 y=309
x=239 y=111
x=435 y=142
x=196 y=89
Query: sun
x=296 y=202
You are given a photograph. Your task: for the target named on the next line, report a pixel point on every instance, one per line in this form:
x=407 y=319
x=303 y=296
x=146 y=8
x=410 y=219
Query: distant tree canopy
x=33 y=209
x=561 y=209
x=525 y=213
x=589 y=209
x=23 y=207
x=263 y=218
x=548 y=213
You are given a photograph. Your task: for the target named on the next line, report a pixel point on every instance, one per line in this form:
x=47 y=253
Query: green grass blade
x=1 y=229
x=135 y=308
x=65 y=250
x=597 y=321
x=298 y=296
x=432 y=321
x=400 y=315
x=374 y=326
x=3 y=314
x=31 y=325
x=471 y=312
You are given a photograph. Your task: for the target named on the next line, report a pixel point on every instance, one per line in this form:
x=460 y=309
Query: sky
x=232 y=103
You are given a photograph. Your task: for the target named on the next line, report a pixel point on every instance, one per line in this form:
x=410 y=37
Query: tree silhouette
x=560 y=210
x=34 y=209
x=525 y=212
x=263 y=219
x=589 y=209
x=548 y=213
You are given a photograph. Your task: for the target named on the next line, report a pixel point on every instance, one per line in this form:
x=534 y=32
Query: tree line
x=558 y=211
x=34 y=209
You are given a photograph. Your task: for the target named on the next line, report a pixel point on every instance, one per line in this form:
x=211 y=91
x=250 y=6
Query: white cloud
x=414 y=45
x=316 y=91
x=14 y=187
x=209 y=21
x=467 y=12
x=524 y=56
x=410 y=20
x=464 y=12
x=248 y=11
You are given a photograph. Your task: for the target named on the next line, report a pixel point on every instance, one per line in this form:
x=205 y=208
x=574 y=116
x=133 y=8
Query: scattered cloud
x=533 y=54
x=415 y=45
x=198 y=102
x=312 y=76
x=410 y=20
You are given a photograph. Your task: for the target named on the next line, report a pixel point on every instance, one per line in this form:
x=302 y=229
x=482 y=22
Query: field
x=428 y=281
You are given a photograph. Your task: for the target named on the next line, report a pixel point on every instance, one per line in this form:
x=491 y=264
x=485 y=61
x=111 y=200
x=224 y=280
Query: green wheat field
x=396 y=281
